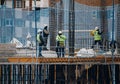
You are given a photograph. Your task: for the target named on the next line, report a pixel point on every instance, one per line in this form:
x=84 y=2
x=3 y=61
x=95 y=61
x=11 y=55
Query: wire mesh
x=18 y=23
x=21 y=18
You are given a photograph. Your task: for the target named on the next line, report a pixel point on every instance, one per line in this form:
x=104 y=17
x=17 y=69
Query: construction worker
x=113 y=45
x=97 y=37
x=45 y=36
x=40 y=42
x=60 y=49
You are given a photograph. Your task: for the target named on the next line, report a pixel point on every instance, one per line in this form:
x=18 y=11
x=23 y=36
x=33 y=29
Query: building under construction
x=19 y=63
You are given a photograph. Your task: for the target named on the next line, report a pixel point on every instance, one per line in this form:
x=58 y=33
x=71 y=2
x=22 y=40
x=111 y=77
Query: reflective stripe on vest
x=97 y=36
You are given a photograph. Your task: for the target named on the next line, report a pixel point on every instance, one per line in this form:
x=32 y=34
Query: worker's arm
x=57 y=38
x=46 y=31
x=63 y=37
x=100 y=32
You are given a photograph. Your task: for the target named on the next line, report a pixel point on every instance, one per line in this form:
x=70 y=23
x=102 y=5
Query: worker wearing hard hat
x=40 y=42
x=60 y=40
x=97 y=37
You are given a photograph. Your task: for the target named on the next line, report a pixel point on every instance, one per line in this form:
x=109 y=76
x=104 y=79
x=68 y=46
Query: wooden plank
x=62 y=60
x=7 y=49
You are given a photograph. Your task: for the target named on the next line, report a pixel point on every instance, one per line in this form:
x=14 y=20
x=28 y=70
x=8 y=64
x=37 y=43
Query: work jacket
x=45 y=33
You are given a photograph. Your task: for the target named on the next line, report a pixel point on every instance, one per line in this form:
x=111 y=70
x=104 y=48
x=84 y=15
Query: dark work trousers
x=45 y=42
x=39 y=50
x=99 y=43
x=60 y=51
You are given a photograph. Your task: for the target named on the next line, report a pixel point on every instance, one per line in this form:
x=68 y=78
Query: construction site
x=82 y=64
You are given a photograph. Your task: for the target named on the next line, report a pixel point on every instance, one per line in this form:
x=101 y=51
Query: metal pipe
x=97 y=73
x=13 y=15
x=112 y=50
x=65 y=73
x=35 y=24
x=71 y=27
x=54 y=74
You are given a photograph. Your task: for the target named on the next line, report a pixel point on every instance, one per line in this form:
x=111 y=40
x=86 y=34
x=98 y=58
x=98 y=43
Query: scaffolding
x=76 y=18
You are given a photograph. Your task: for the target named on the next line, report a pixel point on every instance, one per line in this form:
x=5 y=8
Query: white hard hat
x=60 y=32
x=96 y=28
x=45 y=24
x=39 y=30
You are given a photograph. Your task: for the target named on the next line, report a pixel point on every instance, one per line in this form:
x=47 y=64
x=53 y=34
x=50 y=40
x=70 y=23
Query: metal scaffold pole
x=113 y=50
x=35 y=24
x=71 y=27
x=13 y=25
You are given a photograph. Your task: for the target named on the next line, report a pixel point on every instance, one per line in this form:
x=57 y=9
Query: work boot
x=45 y=48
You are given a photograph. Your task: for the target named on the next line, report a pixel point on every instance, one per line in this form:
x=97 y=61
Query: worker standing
x=97 y=38
x=60 y=39
x=45 y=36
x=40 y=42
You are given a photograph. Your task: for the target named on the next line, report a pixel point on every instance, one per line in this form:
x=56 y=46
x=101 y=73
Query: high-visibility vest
x=97 y=36
x=38 y=38
x=61 y=39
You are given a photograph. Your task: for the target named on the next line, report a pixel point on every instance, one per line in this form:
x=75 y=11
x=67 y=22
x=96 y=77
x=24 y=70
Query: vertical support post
x=54 y=74
x=87 y=76
x=112 y=50
x=3 y=34
x=35 y=24
x=109 y=73
x=0 y=74
x=47 y=74
x=44 y=72
x=13 y=15
x=97 y=73
x=76 y=73
x=66 y=74
x=71 y=27
x=36 y=74
x=12 y=78
x=3 y=74
x=87 y=73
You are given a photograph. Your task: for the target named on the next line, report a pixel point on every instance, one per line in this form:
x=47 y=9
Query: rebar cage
x=76 y=22
x=21 y=19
